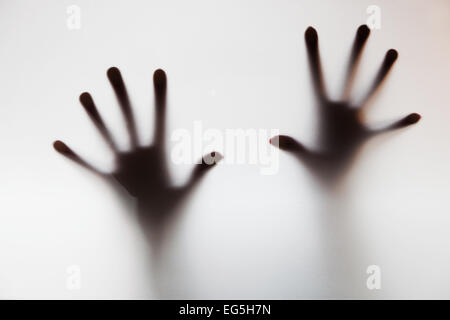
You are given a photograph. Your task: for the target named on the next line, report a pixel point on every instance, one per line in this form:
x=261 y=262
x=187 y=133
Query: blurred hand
x=341 y=127
x=141 y=171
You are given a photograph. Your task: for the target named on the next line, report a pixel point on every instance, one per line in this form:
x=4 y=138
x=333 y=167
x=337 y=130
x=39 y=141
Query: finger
x=362 y=34
x=406 y=121
x=309 y=157
x=160 y=88
x=63 y=149
x=312 y=46
x=115 y=78
x=208 y=162
x=314 y=160
x=287 y=143
x=91 y=109
x=389 y=59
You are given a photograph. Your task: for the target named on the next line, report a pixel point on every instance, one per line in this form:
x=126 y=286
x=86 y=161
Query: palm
x=341 y=127
x=141 y=171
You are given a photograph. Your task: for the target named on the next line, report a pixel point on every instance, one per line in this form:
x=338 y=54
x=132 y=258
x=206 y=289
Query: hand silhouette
x=142 y=170
x=341 y=128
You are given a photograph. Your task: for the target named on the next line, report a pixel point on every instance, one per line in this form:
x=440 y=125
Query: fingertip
x=211 y=159
x=159 y=75
x=391 y=55
x=61 y=147
x=286 y=143
x=311 y=36
x=217 y=156
x=363 y=31
x=113 y=74
x=413 y=118
x=274 y=140
x=85 y=98
x=112 y=71
x=159 y=79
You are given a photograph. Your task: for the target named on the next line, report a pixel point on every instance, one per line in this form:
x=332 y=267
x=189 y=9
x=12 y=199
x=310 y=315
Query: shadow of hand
x=341 y=127
x=141 y=171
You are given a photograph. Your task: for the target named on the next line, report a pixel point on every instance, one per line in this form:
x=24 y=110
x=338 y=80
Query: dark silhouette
x=341 y=128
x=142 y=171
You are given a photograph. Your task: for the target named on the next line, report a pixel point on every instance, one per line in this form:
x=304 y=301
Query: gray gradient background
x=242 y=235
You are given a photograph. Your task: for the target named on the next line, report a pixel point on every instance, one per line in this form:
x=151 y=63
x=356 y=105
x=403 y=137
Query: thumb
x=287 y=143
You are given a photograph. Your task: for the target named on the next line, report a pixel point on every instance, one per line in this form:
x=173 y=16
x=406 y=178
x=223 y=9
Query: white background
x=230 y=64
